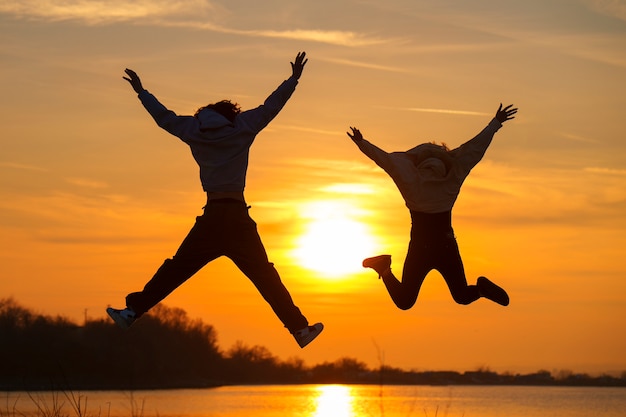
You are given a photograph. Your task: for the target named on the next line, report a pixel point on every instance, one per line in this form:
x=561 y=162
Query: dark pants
x=225 y=229
x=432 y=246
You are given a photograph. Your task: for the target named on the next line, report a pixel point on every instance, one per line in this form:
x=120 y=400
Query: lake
x=326 y=401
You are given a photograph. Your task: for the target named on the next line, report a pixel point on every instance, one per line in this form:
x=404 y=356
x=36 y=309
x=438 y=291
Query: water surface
x=325 y=400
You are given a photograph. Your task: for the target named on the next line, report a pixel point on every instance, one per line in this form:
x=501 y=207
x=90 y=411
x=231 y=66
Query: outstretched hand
x=134 y=80
x=298 y=66
x=507 y=113
x=356 y=134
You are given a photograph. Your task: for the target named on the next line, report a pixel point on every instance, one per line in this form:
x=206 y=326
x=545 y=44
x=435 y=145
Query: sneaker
x=492 y=292
x=380 y=264
x=306 y=335
x=123 y=318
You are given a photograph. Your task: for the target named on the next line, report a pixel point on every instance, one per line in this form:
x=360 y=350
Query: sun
x=334 y=242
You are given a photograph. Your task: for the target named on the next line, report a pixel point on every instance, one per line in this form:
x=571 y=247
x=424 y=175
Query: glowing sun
x=334 y=242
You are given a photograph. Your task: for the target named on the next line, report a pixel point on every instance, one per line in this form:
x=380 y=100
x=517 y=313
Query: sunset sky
x=94 y=196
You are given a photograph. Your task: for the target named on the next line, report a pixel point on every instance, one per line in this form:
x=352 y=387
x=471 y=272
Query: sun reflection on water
x=333 y=400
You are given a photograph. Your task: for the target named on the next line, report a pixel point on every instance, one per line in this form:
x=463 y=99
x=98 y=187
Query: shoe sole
x=493 y=292
x=117 y=318
x=376 y=261
x=312 y=336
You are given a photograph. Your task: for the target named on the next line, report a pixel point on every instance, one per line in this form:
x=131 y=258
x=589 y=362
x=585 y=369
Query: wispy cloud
x=615 y=8
x=445 y=111
x=103 y=11
x=307 y=129
x=335 y=37
x=87 y=183
x=196 y=14
x=606 y=171
x=14 y=165
x=577 y=138
x=366 y=65
x=348 y=188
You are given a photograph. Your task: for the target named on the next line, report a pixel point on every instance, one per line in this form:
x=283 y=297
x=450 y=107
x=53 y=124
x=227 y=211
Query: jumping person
x=429 y=177
x=220 y=136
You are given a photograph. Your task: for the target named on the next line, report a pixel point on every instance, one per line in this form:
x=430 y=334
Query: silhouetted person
x=220 y=136
x=429 y=177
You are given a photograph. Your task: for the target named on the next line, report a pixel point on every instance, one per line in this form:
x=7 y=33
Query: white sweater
x=429 y=187
x=220 y=148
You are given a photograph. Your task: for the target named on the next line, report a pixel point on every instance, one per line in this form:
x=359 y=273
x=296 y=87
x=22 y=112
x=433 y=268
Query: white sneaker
x=123 y=318
x=306 y=335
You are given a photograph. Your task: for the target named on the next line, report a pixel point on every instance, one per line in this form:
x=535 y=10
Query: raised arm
x=472 y=151
x=259 y=117
x=373 y=152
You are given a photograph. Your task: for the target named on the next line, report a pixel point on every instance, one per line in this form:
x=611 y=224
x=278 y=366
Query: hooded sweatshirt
x=431 y=186
x=220 y=147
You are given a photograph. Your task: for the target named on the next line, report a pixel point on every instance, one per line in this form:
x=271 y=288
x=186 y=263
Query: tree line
x=167 y=349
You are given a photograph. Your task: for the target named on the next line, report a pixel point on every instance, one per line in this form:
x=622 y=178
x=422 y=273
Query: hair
x=441 y=145
x=434 y=150
x=226 y=108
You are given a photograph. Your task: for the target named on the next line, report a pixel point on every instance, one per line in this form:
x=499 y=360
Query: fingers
x=510 y=112
x=356 y=133
x=506 y=113
x=300 y=59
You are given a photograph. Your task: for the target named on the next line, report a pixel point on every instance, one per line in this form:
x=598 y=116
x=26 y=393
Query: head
x=425 y=151
x=226 y=108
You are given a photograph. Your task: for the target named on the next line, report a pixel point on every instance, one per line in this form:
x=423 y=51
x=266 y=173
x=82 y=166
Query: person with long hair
x=429 y=178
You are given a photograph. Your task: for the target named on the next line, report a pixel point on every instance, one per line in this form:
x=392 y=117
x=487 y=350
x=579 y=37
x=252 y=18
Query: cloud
x=102 y=11
x=334 y=37
x=615 y=8
x=577 y=138
x=348 y=188
x=606 y=171
x=82 y=182
x=305 y=129
x=21 y=166
x=194 y=14
x=365 y=65
x=446 y=111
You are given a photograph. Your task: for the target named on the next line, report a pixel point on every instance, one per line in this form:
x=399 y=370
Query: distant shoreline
x=446 y=378
x=167 y=350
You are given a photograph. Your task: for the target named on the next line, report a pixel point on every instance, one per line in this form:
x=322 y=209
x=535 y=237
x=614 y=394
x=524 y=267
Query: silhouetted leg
x=248 y=253
x=196 y=250
x=450 y=265
x=404 y=293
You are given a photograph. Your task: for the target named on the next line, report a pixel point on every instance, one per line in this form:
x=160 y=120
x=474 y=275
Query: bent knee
x=404 y=304
x=464 y=299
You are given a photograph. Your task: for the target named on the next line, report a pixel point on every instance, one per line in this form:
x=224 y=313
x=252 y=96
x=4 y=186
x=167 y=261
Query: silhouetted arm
x=260 y=116
x=176 y=125
x=472 y=151
x=373 y=152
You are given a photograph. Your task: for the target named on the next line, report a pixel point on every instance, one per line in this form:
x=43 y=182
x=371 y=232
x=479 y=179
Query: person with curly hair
x=220 y=136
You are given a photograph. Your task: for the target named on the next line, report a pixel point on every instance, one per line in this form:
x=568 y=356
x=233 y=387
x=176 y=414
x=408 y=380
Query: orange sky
x=94 y=196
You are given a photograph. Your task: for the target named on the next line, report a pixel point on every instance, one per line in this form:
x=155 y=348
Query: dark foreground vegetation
x=166 y=349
